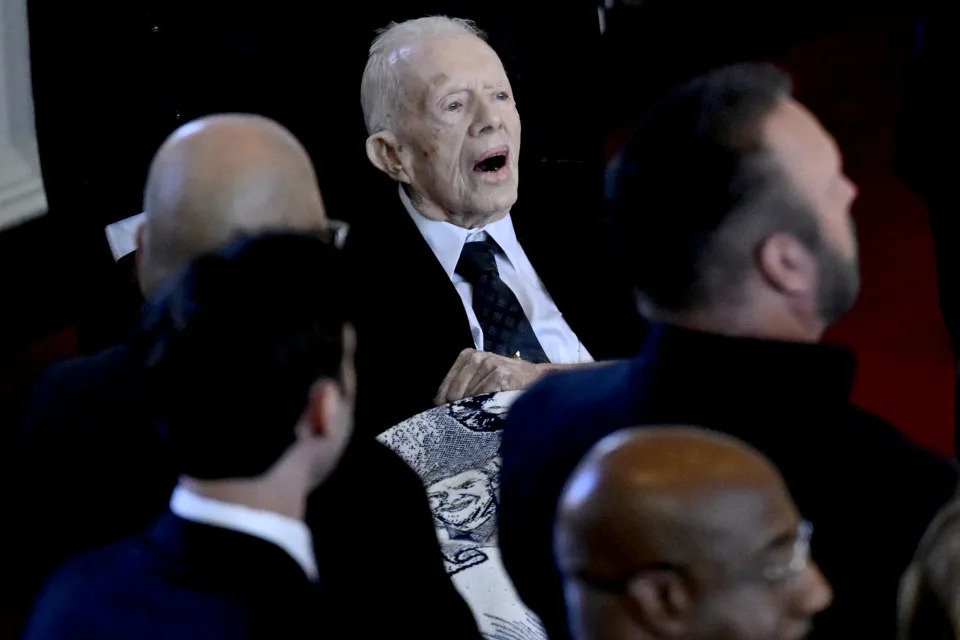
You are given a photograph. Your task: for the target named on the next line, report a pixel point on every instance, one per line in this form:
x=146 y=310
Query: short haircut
x=380 y=87
x=233 y=346
x=695 y=189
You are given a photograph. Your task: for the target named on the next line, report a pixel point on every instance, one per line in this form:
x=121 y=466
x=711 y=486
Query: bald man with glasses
x=673 y=532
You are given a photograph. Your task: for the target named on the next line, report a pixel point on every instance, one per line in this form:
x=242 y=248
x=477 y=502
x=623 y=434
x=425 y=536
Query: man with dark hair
x=702 y=183
x=87 y=425
x=731 y=198
x=211 y=180
x=252 y=381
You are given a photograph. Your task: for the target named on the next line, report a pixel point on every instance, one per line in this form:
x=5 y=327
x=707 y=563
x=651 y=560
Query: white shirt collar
x=293 y=536
x=446 y=239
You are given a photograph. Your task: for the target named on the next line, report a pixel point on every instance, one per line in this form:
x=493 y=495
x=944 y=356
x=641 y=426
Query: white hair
x=380 y=87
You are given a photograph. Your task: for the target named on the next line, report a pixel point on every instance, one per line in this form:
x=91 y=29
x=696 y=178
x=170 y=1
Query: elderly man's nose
x=486 y=120
x=815 y=594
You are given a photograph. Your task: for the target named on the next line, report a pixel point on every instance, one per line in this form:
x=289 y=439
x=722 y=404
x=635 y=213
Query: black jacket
x=89 y=469
x=410 y=321
x=869 y=492
x=183 y=581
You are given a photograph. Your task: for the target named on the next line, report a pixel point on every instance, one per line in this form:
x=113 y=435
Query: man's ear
x=383 y=151
x=660 y=601
x=787 y=264
x=324 y=408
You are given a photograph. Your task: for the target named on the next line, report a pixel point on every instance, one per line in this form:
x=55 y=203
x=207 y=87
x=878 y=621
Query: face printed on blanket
x=455 y=449
x=465 y=502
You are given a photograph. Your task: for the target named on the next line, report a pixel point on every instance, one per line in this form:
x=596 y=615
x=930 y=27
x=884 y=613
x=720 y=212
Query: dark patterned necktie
x=506 y=329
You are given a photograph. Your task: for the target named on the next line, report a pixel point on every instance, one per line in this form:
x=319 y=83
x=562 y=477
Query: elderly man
x=465 y=310
x=735 y=213
x=680 y=533
x=213 y=179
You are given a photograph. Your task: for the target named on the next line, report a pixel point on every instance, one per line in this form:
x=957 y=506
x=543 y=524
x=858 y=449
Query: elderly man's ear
x=384 y=153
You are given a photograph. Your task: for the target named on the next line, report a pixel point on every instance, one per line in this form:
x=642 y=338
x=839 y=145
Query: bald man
x=683 y=533
x=218 y=177
x=89 y=469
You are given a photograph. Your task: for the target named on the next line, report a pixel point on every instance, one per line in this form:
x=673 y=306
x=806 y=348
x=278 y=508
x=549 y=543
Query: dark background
x=113 y=78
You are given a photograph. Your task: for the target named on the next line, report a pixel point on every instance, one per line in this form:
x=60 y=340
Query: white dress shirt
x=293 y=536
x=558 y=340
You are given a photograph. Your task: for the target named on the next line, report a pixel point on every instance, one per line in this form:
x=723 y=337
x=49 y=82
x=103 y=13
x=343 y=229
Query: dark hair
x=694 y=188
x=233 y=345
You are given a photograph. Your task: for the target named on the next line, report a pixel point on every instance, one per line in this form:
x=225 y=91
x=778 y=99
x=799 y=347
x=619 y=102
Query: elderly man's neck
x=467 y=220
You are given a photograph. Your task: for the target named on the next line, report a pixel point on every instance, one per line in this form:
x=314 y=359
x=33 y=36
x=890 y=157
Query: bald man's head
x=215 y=178
x=696 y=528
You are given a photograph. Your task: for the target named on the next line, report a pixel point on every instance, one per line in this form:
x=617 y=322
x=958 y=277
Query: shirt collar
x=446 y=240
x=293 y=536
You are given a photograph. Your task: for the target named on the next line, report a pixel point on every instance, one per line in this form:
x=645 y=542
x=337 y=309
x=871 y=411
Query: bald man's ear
x=384 y=152
x=660 y=601
x=787 y=264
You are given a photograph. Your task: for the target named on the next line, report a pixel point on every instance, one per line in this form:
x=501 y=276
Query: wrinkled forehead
x=445 y=62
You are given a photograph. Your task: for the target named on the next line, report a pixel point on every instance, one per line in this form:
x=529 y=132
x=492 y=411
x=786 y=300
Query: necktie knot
x=477 y=258
x=506 y=329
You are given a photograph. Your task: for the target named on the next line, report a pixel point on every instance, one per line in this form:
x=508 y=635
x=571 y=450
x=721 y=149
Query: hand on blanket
x=476 y=372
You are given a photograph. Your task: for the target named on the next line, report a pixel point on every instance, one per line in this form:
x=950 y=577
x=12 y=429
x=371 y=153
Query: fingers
x=459 y=376
x=486 y=381
x=475 y=372
x=454 y=370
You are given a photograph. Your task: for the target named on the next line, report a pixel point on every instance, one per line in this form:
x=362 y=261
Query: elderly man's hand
x=476 y=372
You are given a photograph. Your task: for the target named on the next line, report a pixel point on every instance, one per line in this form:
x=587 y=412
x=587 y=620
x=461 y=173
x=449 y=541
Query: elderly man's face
x=458 y=133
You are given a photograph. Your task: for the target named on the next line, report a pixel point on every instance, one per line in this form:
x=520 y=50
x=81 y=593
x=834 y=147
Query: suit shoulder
x=83 y=380
x=889 y=448
x=111 y=361
x=78 y=397
x=603 y=387
x=84 y=589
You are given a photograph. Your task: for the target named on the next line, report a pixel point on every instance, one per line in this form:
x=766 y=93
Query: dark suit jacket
x=182 y=581
x=89 y=469
x=868 y=491
x=410 y=321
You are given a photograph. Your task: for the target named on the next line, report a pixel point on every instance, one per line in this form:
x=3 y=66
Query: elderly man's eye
x=454 y=106
x=503 y=95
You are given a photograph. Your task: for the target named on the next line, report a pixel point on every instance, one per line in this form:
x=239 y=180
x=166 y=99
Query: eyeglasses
x=798 y=560
x=773 y=571
x=340 y=230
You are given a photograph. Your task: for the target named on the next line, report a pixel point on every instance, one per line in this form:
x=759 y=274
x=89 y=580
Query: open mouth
x=492 y=161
